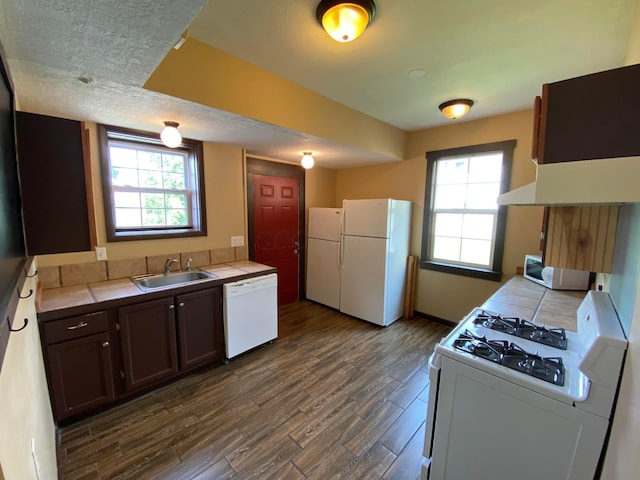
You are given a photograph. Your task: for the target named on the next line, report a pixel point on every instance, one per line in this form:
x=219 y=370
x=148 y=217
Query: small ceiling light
x=345 y=20
x=307 y=160
x=456 y=108
x=170 y=135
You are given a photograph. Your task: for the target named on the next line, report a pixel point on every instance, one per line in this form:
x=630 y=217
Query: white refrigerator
x=323 y=256
x=374 y=250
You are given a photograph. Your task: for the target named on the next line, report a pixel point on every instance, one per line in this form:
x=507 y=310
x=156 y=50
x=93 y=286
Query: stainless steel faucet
x=167 y=265
x=189 y=260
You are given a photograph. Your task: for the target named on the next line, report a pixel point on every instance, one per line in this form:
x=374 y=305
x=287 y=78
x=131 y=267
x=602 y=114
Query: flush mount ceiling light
x=170 y=135
x=307 y=160
x=455 y=108
x=345 y=20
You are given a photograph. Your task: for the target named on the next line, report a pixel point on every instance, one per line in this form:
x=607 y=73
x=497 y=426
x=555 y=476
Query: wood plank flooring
x=333 y=397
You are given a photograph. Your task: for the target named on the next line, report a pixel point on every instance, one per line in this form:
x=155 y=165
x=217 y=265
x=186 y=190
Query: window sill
x=484 y=274
x=124 y=236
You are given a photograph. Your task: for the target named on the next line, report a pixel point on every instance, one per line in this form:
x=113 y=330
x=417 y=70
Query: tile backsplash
x=81 y=273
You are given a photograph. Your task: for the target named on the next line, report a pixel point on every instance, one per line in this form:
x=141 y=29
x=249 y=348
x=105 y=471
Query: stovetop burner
x=554 y=337
x=549 y=369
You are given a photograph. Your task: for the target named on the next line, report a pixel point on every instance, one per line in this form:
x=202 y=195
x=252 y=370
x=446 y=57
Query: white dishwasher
x=250 y=313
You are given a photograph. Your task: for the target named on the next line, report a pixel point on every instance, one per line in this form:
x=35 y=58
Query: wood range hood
x=585 y=182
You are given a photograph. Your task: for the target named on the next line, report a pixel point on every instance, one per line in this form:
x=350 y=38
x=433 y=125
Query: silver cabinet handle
x=171 y=307
x=181 y=304
x=79 y=325
x=105 y=344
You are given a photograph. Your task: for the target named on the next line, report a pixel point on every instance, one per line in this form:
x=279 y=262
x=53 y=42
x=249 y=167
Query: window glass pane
x=476 y=252
x=446 y=248
x=175 y=200
x=450 y=196
x=127 y=217
x=122 y=157
x=173 y=163
x=174 y=181
x=152 y=200
x=448 y=225
x=451 y=171
x=126 y=199
x=149 y=160
x=177 y=217
x=153 y=217
x=150 y=179
x=478 y=226
x=485 y=168
x=124 y=177
x=483 y=196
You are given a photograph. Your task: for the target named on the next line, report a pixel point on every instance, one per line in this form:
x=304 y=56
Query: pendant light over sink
x=170 y=135
x=345 y=21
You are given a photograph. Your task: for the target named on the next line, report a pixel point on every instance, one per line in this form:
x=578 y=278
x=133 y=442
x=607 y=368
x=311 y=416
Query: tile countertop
x=523 y=298
x=64 y=301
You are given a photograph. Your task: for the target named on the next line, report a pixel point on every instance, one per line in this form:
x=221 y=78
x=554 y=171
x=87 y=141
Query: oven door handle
x=430 y=425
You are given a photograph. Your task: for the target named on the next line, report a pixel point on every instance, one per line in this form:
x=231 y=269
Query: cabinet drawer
x=75 y=327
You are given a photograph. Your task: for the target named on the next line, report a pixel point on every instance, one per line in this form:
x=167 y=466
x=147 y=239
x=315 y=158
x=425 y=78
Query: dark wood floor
x=333 y=397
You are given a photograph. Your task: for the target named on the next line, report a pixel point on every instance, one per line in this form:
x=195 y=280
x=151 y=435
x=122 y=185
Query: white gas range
x=513 y=399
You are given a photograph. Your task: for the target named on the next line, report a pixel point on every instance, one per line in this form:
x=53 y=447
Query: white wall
x=25 y=411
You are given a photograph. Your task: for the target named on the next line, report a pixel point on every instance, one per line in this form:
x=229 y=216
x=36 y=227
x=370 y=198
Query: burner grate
x=553 y=337
x=549 y=369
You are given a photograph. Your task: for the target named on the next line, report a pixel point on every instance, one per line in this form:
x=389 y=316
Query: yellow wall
x=25 y=412
x=225 y=203
x=194 y=73
x=440 y=294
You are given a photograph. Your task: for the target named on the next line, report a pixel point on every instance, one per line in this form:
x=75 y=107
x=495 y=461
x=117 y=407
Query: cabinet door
x=592 y=116
x=200 y=327
x=54 y=198
x=81 y=374
x=148 y=342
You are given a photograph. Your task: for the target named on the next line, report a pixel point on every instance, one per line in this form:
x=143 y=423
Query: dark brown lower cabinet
x=200 y=328
x=153 y=342
x=81 y=374
x=148 y=342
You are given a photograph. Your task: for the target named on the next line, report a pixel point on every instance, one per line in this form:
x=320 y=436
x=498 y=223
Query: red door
x=275 y=230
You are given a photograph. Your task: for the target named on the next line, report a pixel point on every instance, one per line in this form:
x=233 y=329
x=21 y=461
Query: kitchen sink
x=157 y=282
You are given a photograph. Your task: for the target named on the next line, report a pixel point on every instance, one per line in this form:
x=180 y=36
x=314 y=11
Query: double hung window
x=463 y=225
x=151 y=191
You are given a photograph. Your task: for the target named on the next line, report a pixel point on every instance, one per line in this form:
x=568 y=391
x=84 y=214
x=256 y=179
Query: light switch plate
x=101 y=253
x=237 y=241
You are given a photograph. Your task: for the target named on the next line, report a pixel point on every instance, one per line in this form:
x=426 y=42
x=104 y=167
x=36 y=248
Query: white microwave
x=553 y=277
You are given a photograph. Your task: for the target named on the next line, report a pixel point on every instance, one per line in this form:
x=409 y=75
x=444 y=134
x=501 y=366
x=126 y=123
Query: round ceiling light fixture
x=345 y=21
x=307 y=160
x=456 y=108
x=170 y=135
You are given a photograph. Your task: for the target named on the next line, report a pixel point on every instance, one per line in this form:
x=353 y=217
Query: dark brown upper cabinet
x=51 y=163
x=588 y=117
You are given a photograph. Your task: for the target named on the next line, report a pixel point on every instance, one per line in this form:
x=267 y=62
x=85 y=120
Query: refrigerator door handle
x=341 y=256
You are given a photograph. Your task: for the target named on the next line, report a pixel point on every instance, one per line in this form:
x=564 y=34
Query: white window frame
x=492 y=271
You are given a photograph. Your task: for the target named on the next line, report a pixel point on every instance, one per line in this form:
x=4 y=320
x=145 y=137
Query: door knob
x=297 y=244
x=105 y=344
x=295 y=251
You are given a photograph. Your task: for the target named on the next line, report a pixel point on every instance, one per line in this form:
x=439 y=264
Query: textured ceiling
x=88 y=59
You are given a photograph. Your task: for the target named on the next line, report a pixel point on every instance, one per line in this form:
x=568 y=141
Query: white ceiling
x=496 y=52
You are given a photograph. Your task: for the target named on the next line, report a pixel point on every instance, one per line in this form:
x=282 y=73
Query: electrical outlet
x=237 y=241
x=602 y=282
x=101 y=253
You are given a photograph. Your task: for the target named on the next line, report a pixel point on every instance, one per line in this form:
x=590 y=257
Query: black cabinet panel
x=52 y=179
x=594 y=116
